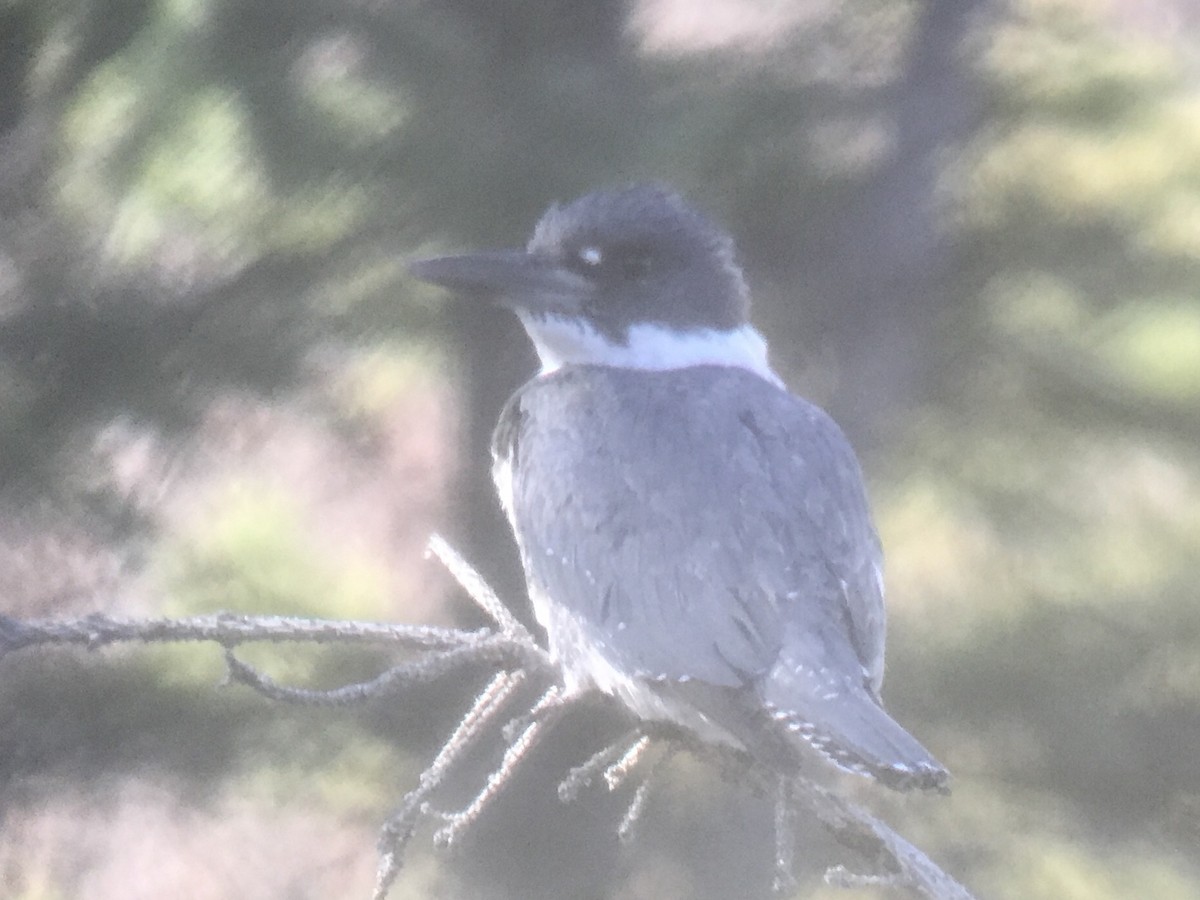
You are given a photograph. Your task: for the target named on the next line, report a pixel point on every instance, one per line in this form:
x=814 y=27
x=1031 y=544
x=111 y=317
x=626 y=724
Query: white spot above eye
x=592 y=256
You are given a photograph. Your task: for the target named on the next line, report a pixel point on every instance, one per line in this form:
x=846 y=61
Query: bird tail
x=791 y=726
x=857 y=735
x=817 y=692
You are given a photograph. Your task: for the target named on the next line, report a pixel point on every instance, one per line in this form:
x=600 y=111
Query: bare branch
x=905 y=865
x=399 y=828
x=582 y=775
x=227 y=629
x=477 y=589
x=900 y=864
x=512 y=650
x=546 y=712
x=489 y=649
x=616 y=774
x=785 y=838
x=627 y=829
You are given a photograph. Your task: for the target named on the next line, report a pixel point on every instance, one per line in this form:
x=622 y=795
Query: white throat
x=562 y=341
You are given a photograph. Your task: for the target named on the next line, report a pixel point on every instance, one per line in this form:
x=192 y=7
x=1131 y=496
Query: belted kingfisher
x=696 y=539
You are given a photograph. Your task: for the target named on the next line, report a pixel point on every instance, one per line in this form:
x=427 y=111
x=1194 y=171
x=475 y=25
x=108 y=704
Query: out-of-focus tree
x=1049 y=512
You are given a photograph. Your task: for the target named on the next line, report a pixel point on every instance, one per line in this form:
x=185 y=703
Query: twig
x=627 y=828
x=616 y=774
x=582 y=775
x=493 y=649
x=907 y=866
x=399 y=828
x=548 y=710
x=785 y=838
x=479 y=590
x=226 y=629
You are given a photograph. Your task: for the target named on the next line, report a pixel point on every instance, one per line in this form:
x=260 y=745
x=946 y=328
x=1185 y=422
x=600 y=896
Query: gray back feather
x=712 y=596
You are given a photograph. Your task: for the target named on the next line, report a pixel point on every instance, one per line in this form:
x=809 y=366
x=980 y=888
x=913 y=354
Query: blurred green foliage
x=252 y=554
x=973 y=231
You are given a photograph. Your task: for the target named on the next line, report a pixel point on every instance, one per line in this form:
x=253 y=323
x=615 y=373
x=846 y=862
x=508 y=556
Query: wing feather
x=685 y=520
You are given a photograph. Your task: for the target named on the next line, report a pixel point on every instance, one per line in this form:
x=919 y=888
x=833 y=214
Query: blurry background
x=973 y=233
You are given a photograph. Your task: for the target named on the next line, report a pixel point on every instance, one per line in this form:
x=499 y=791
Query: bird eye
x=636 y=264
x=630 y=262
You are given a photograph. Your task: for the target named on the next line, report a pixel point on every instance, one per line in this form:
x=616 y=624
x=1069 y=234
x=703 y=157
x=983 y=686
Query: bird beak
x=512 y=278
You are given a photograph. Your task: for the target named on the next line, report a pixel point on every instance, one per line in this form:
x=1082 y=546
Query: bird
x=696 y=540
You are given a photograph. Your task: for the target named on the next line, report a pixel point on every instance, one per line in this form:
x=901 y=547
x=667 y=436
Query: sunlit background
x=972 y=230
